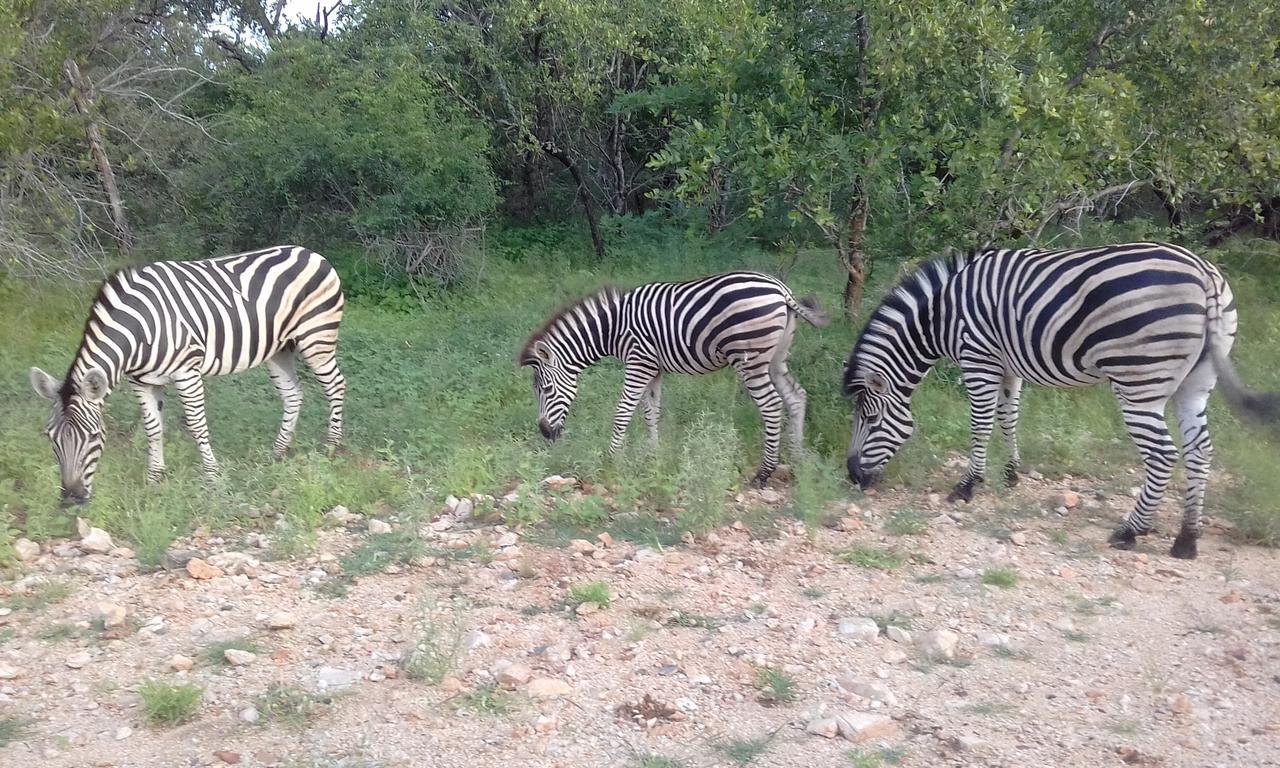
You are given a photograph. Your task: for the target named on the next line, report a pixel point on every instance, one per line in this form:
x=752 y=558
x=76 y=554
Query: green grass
x=1004 y=578
x=38 y=597
x=436 y=405
x=744 y=751
x=907 y=522
x=654 y=760
x=776 y=686
x=13 y=728
x=380 y=551
x=215 y=653
x=169 y=704
x=288 y=705
x=872 y=557
x=874 y=758
x=437 y=644
x=595 y=593
x=486 y=699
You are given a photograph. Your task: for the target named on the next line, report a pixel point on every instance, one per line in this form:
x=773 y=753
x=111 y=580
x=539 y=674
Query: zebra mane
x=68 y=388
x=924 y=280
x=607 y=294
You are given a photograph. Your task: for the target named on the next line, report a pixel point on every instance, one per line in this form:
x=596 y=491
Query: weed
x=864 y=758
x=694 y=621
x=595 y=593
x=814 y=593
x=1059 y=537
x=39 y=596
x=1004 y=578
x=776 y=686
x=1124 y=727
x=486 y=699
x=288 y=705
x=1006 y=652
x=437 y=644
x=991 y=709
x=891 y=619
x=654 y=760
x=931 y=578
x=1077 y=637
x=14 y=729
x=707 y=468
x=816 y=483
x=907 y=522
x=169 y=704
x=215 y=654
x=59 y=631
x=382 y=550
x=744 y=751
x=1096 y=605
x=873 y=557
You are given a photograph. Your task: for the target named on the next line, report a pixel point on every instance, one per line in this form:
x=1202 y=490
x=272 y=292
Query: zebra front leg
x=1007 y=413
x=652 y=402
x=191 y=391
x=983 y=394
x=1197 y=453
x=151 y=400
x=634 y=387
x=760 y=386
x=284 y=375
x=1150 y=434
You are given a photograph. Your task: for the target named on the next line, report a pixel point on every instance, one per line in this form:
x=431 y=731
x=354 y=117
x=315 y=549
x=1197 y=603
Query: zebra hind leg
x=761 y=389
x=1007 y=414
x=652 y=402
x=1197 y=452
x=284 y=375
x=1150 y=434
x=320 y=353
x=795 y=399
x=191 y=391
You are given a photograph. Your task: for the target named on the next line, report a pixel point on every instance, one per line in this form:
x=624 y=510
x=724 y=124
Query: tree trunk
x=584 y=194
x=1171 y=209
x=82 y=97
x=853 y=256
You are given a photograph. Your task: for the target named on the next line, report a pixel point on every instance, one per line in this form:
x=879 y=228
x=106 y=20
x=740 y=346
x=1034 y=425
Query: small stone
x=379 y=526
x=78 y=660
x=1068 y=499
x=826 y=727
x=177 y=559
x=123 y=732
x=180 y=663
x=864 y=630
x=124 y=553
x=545 y=724
x=508 y=539
x=1018 y=539
x=97 y=541
x=475 y=639
x=377 y=676
x=110 y=614
x=202 y=570
x=340 y=514
x=864 y=726
x=898 y=635
x=1064 y=624
x=464 y=508
x=281 y=620
x=548 y=688
x=939 y=644
x=1067 y=572
x=1180 y=704
x=332 y=677
x=8 y=672
x=67 y=550
x=995 y=640
x=513 y=676
x=582 y=546
x=230 y=758
x=249 y=715
x=868 y=690
x=26 y=550
x=893 y=656
x=238 y=658
x=769 y=496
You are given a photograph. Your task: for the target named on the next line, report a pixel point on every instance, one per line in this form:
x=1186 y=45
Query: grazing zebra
x=741 y=319
x=1154 y=321
x=175 y=322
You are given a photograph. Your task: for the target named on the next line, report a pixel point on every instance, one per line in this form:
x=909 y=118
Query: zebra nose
x=854 y=466
x=548 y=431
x=73 y=496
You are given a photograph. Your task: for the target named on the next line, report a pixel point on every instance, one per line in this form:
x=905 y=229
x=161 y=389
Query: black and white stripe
x=1154 y=321
x=176 y=322
x=744 y=320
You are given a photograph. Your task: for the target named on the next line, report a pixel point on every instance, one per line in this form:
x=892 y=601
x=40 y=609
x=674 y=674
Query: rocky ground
x=906 y=633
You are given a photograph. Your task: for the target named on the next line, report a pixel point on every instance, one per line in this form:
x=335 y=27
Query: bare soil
x=1095 y=657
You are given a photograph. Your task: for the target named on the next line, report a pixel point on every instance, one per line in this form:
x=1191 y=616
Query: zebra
x=176 y=322
x=1153 y=320
x=745 y=320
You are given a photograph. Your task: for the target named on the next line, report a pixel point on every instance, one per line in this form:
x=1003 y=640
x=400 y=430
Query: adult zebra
x=1153 y=320
x=741 y=319
x=175 y=322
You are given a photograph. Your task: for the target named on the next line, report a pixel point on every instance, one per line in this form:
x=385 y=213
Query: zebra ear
x=542 y=350
x=878 y=384
x=94 y=385
x=45 y=385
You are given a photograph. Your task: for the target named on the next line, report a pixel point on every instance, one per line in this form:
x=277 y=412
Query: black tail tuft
x=1259 y=407
x=813 y=313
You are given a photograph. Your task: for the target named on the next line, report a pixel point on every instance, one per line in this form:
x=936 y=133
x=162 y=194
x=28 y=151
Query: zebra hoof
x=1011 y=476
x=761 y=479
x=1123 y=538
x=1184 y=547
x=962 y=492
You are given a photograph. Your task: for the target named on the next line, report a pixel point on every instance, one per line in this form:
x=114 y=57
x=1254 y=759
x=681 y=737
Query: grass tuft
x=487 y=699
x=776 y=686
x=170 y=704
x=1004 y=578
x=595 y=593
x=14 y=729
x=873 y=557
x=285 y=704
x=744 y=751
x=907 y=522
x=215 y=654
x=436 y=646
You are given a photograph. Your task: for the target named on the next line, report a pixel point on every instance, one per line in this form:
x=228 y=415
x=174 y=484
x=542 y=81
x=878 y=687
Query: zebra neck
x=591 y=331
x=97 y=352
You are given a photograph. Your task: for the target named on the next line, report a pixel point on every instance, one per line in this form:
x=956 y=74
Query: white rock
x=893 y=656
x=110 y=614
x=78 y=660
x=1018 y=539
x=281 y=620
x=508 y=539
x=475 y=639
x=995 y=640
x=332 y=677
x=8 y=672
x=249 y=715
x=864 y=726
x=512 y=675
x=1064 y=624
x=180 y=663
x=863 y=630
x=123 y=732
x=898 y=635
x=548 y=688
x=96 y=541
x=67 y=550
x=464 y=508
x=868 y=690
x=238 y=658
x=939 y=644
x=826 y=727
x=379 y=526
x=26 y=550
x=341 y=515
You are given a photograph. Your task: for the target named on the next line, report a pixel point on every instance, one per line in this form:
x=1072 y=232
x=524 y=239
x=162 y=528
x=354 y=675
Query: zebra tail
x=1259 y=407
x=808 y=308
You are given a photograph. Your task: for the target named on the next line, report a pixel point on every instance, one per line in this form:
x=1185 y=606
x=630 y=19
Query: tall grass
x=436 y=405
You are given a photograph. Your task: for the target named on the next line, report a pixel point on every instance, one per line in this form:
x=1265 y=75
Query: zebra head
x=75 y=429
x=554 y=385
x=881 y=424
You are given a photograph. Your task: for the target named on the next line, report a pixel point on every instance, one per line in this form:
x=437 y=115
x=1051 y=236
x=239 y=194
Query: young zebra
x=1154 y=321
x=175 y=322
x=741 y=319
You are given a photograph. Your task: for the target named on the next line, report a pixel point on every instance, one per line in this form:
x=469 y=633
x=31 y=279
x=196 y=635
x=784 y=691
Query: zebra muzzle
x=548 y=431
x=862 y=477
